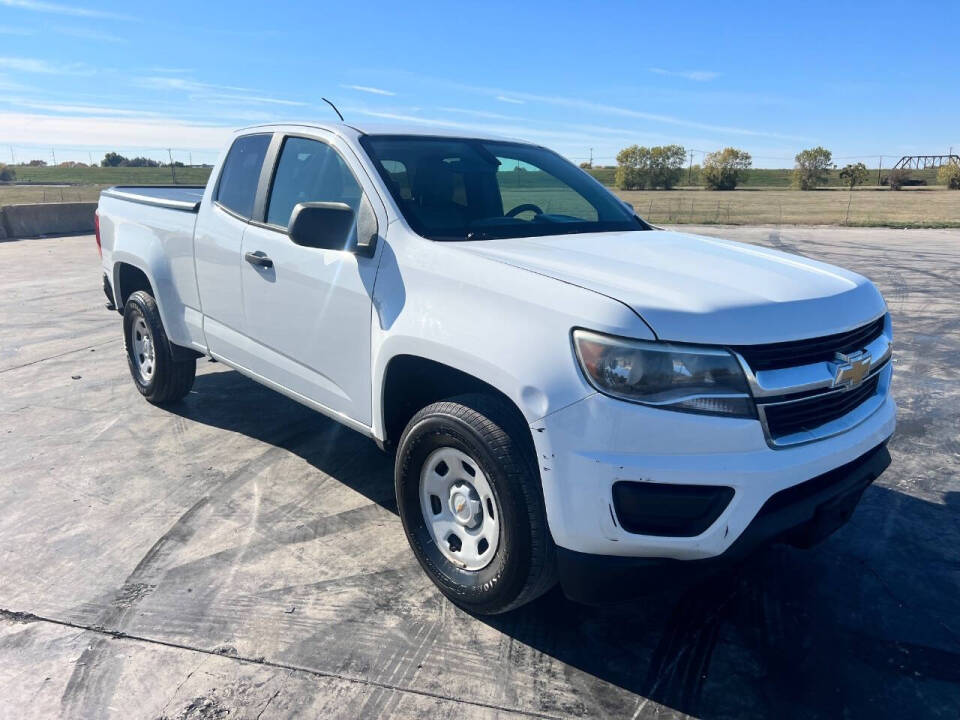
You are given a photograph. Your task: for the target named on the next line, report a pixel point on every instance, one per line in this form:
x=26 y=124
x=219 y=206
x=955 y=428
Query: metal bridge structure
x=922 y=162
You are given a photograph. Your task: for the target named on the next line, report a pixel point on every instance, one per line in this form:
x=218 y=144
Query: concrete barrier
x=37 y=219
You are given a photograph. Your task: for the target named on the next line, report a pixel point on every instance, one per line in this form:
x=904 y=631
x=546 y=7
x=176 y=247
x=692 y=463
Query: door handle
x=258 y=258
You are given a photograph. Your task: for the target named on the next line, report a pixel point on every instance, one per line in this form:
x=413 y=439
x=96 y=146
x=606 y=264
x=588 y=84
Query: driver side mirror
x=334 y=226
x=325 y=225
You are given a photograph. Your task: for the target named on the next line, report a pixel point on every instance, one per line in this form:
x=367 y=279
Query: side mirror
x=326 y=225
x=334 y=226
x=629 y=207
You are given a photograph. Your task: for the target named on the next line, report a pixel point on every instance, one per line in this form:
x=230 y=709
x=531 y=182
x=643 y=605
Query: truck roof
x=354 y=129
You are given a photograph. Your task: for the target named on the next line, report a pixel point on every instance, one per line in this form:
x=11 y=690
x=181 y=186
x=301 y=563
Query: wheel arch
x=127 y=279
x=411 y=382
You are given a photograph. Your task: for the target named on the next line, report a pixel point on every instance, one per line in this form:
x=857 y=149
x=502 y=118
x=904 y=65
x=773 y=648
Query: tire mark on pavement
x=94 y=678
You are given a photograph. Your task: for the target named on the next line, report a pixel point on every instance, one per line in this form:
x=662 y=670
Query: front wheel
x=472 y=508
x=159 y=377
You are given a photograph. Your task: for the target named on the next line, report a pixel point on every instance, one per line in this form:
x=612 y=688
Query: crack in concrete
x=886 y=587
x=58 y=355
x=274 y=696
x=27 y=617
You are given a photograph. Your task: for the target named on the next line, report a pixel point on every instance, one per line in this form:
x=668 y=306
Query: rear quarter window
x=241 y=173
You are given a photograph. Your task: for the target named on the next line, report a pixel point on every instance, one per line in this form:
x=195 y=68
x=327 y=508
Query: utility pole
x=90 y=155
x=172 y=169
x=879 y=169
x=13 y=159
x=190 y=156
x=54 y=156
x=690 y=169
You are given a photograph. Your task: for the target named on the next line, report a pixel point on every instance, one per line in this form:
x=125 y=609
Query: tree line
x=111 y=159
x=662 y=166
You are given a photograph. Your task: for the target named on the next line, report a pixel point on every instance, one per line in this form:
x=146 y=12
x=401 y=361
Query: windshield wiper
x=480 y=235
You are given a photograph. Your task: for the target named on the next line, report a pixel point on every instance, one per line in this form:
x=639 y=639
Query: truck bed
x=174 y=197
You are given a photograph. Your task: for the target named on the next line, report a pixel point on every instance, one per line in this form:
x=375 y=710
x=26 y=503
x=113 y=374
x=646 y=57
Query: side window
x=241 y=173
x=310 y=171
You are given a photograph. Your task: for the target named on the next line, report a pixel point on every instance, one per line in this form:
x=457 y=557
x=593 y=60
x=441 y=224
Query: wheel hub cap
x=142 y=349
x=459 y=508
x=465 y=505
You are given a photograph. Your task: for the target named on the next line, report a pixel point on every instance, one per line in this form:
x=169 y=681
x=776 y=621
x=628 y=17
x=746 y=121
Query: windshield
x=464 y=189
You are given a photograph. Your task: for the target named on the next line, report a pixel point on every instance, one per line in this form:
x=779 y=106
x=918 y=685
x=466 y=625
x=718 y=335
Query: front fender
x=509 y=327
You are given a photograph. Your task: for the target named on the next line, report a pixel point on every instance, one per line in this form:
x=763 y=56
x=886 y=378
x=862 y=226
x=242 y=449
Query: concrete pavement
x=241 y=556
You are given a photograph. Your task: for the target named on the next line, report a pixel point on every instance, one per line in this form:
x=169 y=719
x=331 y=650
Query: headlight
x=674 y=377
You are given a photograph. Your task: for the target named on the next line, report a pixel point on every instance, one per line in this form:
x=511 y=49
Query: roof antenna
x=334 y=108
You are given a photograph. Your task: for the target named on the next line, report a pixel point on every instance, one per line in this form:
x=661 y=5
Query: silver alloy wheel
x=459 y=508
x=144 y=352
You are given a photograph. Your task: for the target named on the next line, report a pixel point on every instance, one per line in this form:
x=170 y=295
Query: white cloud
x=494 y=129
x=595 y=107
x=10 y=30
x=368 y=89
x=31 y=65
x=170 y=70
x=513 y=101
x=185 y=84
x=77 y=109
x=255 y=99
x=58 y=9
x=697 y=75
x=88 y=34
x=477 y=113
x=6 y=84
x=103 y=131
x=214 y=93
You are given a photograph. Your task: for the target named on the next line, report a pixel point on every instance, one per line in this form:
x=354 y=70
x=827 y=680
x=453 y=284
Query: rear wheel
x=471 y=504
x=159 y=375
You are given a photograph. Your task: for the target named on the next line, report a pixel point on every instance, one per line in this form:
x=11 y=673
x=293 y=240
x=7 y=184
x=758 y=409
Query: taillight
x=96 y=230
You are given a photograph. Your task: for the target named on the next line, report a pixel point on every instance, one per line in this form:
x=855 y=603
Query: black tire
x=170 y=379
x=491 y=433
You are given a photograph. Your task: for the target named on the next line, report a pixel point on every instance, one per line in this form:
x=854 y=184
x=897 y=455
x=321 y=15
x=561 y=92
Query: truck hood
x=696 y=289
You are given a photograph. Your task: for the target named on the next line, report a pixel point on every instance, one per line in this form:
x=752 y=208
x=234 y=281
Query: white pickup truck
x=570 y=392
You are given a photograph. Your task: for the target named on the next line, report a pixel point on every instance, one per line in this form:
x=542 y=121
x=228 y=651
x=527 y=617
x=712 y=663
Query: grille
x=818 y=410
x=804 y=352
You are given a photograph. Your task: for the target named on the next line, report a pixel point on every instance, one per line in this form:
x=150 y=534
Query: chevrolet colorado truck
x=571 y=393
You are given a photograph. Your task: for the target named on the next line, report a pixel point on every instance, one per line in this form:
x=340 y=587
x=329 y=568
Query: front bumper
x=585 y=448
x=802 y=515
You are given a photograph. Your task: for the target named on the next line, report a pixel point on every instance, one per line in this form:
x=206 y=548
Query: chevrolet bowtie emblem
x=851 y=369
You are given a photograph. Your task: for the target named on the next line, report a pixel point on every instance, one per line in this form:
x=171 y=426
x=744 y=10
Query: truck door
x=308 y=313
x=218 y=239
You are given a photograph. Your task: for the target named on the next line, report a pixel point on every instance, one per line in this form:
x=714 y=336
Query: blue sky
x=863 y=79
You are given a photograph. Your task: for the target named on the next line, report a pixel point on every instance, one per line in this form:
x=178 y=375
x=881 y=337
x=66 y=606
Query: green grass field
x=754 y=204
x=758 y=178
x=880 y=207
x=85 y=183
x=112 y=176
x=774 y=177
